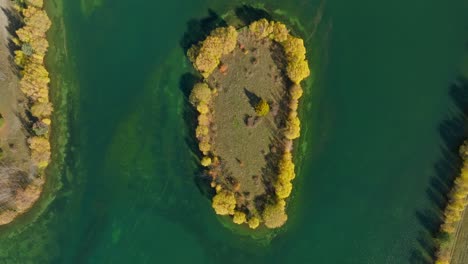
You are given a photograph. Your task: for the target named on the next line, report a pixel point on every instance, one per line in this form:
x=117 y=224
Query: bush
x=201 y=93
x=262 y=108
x=254 y=222
x=295 y=91
x=2 y=120
x=224 y=202
x=202 y=108
x=297 y=70
x=283 y=188
x=205 y=161
x=206 y=55
x=40 y=151
x=40 y=128
x=239 y=217
x=261 y=28
x=293 y=129
x=201 y=131
x=27 y=49
x=205 y=147
x=274 y=214
x=41 y=110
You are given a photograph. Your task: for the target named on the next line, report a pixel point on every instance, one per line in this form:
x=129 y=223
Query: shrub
x=41 y=110
x=293 y=129
x=206 y=55
x=202 y=108
x=297 y=67
x=2 y=120
x=254 y=222
x=200 y=93
x=262 y=108
x=203 y=120
x=40 y=151
x=205 y=161
x=204 y=146
x=280 y=32
x=295 y=91
x=283 y=188
x=224 y=202
x=261 y=28
x=36 y=3
x=40 y=128
x=239 y=217
x=274 y=214
x=297 y=70
x=201 y=131
x=27 y=49
x=294 y=48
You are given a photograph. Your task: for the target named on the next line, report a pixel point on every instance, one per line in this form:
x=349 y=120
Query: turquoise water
x=126 y=190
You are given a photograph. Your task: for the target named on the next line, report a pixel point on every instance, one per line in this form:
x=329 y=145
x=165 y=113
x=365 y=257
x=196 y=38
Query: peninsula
x=25 y=110
x=247 y=101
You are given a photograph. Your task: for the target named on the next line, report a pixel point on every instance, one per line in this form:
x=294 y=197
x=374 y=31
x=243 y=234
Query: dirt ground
x=247 y=154
x=16 y=170
x=460 y=250
x=12 y=103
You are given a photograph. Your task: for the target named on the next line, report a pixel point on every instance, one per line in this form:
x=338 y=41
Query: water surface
x=366 y=159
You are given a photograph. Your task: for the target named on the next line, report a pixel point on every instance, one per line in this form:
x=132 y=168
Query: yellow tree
x=224 y=202
x=274 y=214
x=200 y=93
x=254 y=222
x=262 y=108
x=239 y=217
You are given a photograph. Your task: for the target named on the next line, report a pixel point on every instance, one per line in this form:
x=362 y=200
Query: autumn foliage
x=32 y=47
x=274 y=214
x=454 y=210
x=206 y=55
x=224 y=202
x=262 y=108
x=297 y=67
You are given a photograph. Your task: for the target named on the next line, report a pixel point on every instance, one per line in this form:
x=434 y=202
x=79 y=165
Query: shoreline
x=24 y=186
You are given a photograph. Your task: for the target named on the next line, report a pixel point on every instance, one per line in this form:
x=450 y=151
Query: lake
x=372 y=159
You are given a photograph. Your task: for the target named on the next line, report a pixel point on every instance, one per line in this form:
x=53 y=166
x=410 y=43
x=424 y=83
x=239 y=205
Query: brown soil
x=249 y=154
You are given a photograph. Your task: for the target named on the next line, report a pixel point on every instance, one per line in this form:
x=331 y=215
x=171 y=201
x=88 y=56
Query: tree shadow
x=199 y=29
x=248 y=14
x=453 y=131
x=190 y=115
x=14 y=23
x=253 y=98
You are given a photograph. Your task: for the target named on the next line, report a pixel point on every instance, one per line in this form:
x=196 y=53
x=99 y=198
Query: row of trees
x=297 y=67
x=32 y=47
x=201 y=98
x=206 y=55
x=224 y=202
x=453 y=212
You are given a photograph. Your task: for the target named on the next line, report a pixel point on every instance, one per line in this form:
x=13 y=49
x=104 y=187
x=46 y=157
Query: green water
x=123 y=186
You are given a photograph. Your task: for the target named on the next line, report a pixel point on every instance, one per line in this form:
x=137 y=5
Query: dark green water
x=367 y=156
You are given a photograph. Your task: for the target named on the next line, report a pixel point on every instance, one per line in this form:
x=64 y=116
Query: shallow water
x=367 y=157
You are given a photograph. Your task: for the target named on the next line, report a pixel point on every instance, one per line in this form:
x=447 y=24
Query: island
x=25 y=110
x=247 y=101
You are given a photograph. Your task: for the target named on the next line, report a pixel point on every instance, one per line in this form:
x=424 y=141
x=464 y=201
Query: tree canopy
x=224 y=202
x=274 y=214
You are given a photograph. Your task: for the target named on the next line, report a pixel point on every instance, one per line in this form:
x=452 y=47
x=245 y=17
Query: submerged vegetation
x=251 y=165
x=454 y=210
x=21 y=187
